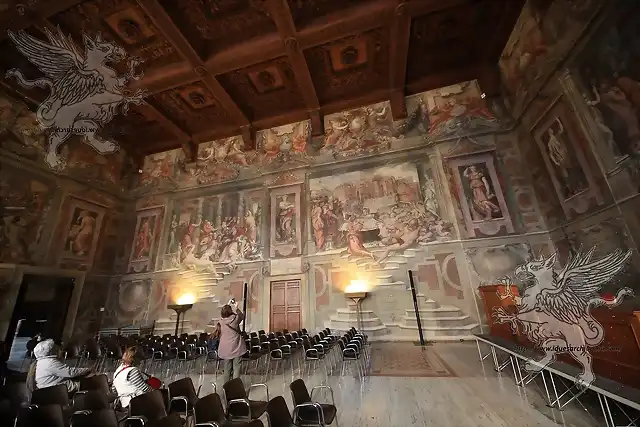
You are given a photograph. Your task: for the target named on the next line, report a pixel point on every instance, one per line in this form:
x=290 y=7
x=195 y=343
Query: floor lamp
x=180 y=310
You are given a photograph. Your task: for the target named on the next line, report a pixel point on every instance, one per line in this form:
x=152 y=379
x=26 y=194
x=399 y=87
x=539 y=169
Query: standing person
x=128 y=380
x=232 y=345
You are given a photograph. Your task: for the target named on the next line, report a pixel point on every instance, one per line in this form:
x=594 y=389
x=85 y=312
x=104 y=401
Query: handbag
x=152 y=381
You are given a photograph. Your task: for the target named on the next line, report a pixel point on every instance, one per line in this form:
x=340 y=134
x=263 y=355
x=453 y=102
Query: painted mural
x=145 y=240
x=609 y=70
x=217 y=161
x=379 y=210
x=479 y=194
x=286 y=144
x=24 y=203
x=24 y=137
x=82 y=231
x=455 y=110
x=563 y=145
x=357 y=132
x=159 y=169
x=543 y=35
x=286 y=221
x=565 y=164
x=220 y=229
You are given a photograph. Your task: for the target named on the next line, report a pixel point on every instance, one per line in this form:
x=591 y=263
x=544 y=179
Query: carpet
x=403 y=359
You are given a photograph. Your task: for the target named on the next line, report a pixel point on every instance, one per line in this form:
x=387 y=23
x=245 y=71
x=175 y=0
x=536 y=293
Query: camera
x=232 y=301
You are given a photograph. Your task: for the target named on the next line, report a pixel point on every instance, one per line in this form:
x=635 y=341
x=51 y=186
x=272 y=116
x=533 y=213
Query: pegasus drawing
x=84 y=92
x=554 y=312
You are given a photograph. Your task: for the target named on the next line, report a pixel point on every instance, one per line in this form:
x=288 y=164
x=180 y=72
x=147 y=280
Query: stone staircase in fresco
x=439 y=323
x=204 y=285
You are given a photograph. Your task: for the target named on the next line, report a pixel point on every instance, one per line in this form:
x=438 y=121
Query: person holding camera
x=232 y=346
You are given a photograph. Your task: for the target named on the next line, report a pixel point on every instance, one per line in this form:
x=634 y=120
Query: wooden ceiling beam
x=172 y=33
x=447 y=78
x=21 y=15
x=398 y=54
x=281 y=15
x=349 y=22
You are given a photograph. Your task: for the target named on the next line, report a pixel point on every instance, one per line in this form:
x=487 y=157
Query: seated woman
x=49 y=371
x=128 y=380
x=214 y=339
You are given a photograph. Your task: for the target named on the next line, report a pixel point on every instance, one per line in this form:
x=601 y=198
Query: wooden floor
x=475 y=397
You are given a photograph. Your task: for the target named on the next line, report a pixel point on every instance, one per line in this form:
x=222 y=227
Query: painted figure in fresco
x=357 y=131
x=605 y=131
x=143 y=240
x=569 y=173
x=616 y=101
x=285 y=227
x=172 y=246
x=355 y=246
x=81 y=233
x=229 y=150
x=187 y=244
x=317 y=222
x=160 y=166
x=331 y=223
x=286 y=142
x=22 y=206
x=483 y=205
x=12 y=232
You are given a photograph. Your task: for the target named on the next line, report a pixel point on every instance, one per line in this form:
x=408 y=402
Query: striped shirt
x=129 y=382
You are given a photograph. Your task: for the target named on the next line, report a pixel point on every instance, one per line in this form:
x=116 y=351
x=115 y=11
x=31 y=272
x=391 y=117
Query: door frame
x=19 y=271
x=306 y=315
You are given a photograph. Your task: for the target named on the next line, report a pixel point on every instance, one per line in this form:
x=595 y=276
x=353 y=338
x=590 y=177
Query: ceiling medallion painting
x=360 y=131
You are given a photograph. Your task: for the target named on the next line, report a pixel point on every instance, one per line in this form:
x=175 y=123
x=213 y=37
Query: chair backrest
x=209 y=408
x=16 y=393
x=278 y=413
x=234 y=389
x=55 y=395
x=299 y=392
x=41 y=416
x=95 y=418
x=92 y=400
x=149 y=405
x=95 y=382
x=183 y=387
x=171 y=420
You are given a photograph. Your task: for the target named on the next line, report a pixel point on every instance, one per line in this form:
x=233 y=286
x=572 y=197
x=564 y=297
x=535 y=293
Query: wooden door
x=285 y=305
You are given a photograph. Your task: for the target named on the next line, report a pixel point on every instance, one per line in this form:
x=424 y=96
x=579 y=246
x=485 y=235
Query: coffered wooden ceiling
x=217 y=68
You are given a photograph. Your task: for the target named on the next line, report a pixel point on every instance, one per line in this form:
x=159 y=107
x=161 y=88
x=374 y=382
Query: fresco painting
x=159 y=168
x=221 y=229
x=377 y=210
x=286 y=144
x=455 y=110
x=609 y=73
x=543 y=35
x=285 y=221
x=83 y=231
x=357 y=132
x=565 y=164
x=145 y=239
x=480 y=195
x=24 y=203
